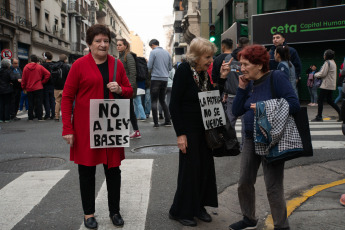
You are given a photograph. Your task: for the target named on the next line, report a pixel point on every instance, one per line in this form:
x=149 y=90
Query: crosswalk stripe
x=315 y=133
x=135 y=192
x=328 y=144
x=21 y=195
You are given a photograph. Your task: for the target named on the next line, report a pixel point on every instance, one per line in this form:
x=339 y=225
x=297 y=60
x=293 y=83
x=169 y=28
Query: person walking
x=311 y=84
x=91 y=77
x=340 y=81
x=16 y=77
x=282 y=56
x=196 y=183
x=48 y=88
x=128 y=61
x=279 y=40
x=226 y=47
x=328 y=74
x=59 y=75
x=254 y=86
x=6 y=89
x=159 y=65
x=33 y=78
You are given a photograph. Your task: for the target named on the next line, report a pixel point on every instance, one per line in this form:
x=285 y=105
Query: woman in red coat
x=91 y=77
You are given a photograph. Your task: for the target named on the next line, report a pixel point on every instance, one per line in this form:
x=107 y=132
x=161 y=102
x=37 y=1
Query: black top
x=184 y=106
x=103 y=68
x=50 y=82
x=217 y=63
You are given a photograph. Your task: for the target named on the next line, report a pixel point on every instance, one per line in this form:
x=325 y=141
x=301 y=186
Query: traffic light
x=212 y=33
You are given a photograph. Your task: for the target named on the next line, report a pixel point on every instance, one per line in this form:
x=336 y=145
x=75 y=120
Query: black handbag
x=223 y=140
x=302 y=124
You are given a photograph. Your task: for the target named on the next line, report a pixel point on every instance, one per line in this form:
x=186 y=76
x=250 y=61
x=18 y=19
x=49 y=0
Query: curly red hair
x=256 y=54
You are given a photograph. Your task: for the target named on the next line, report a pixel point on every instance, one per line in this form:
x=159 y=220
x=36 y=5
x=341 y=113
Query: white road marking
x=20 y=196
x=135 y=194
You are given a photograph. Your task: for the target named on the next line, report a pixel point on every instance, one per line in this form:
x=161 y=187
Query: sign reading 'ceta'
x=6 y=54
x=301 y=26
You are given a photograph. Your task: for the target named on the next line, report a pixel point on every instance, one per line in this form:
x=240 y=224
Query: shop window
x=274 y=5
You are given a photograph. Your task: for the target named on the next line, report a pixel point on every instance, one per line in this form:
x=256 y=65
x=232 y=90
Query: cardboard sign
x=109 y=123
x=212 y=109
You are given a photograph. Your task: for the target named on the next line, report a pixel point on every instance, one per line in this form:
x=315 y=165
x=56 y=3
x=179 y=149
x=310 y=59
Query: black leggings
x=87 y=188
x=325 y=93
x=133 y=118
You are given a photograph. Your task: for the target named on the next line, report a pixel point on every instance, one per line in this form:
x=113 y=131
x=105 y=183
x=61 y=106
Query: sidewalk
x=319 y=211
x=312 y=194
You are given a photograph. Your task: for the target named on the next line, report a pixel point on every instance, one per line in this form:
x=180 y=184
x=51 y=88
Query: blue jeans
x=147 y=103
x=138 y=108
x=24 y=98
x=339 y=96
x=313 y=94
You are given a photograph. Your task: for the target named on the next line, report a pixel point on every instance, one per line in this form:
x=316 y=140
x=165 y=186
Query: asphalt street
x=27 y=147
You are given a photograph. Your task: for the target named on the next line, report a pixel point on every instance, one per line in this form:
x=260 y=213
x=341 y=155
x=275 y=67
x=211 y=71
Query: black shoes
x=204 y=216
x=316 y=119
x=160 y=117
x=117 y=220
x=156 y=126
x=166 y=124
x=91 y=223
x=185 y=222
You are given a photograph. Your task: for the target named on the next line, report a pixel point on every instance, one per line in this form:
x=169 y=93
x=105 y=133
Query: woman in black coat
x=5 y=90
x=196 y=183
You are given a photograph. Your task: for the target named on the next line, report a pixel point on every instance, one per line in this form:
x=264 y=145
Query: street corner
x=320 y=198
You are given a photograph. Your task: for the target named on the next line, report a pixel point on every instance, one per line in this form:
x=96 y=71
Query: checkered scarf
x=283 y=131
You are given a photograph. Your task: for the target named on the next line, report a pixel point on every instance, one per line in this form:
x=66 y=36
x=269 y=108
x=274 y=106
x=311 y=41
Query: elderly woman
x=6 y=89
x=128 y=62
x=254 y=86
x=196 y=184
x=328 y=74
x=91 y=77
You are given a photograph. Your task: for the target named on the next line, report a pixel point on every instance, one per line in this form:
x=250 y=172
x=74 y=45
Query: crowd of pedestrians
x=243 y=76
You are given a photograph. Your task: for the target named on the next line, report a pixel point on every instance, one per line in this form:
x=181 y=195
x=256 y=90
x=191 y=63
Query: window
x=37 y=14
x=48 y=29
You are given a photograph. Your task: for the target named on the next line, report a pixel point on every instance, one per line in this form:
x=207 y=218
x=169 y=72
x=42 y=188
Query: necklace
x=196 y=77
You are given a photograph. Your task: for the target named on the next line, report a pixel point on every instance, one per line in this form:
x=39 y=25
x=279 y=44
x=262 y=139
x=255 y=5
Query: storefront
x=309 y=31
x=23 y=54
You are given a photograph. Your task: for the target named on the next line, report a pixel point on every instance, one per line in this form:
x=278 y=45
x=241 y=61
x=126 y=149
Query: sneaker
x=40 y=120
x=16 y=119
x=161 y=117
x=314 y=104
x=311 y=104
x=135 y=134
x=147 y=116
x=243 y=224
x=6 y=121
x=317 y=119
x=342 y=200
x=156 y=126
x=166 y=124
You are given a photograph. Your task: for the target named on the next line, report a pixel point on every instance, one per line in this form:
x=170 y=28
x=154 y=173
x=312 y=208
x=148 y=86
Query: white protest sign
x=109 y=123
x=212 y=109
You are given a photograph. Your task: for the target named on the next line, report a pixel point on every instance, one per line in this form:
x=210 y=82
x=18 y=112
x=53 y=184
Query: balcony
x=64 y=8
x=23 y=22
x=6 y=14
x=76 y=46
x=73 y=8
x=84 y=12
x=83 y=36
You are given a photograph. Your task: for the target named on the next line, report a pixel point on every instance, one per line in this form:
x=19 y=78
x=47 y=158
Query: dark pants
x=274 y=181
x=325 y=93
x=5 y=100
x=15 y=99
x=49 y=102
x=133 y=118
x=158 y=91
x=87 y=182
x=35 y=102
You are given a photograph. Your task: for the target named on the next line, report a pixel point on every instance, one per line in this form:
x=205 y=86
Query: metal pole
x=210 y=12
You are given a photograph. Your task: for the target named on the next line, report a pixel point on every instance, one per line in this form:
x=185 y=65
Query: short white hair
x=5 y=63
x=198 y=47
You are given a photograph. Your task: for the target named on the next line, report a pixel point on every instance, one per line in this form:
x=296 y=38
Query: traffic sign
x=6 y=53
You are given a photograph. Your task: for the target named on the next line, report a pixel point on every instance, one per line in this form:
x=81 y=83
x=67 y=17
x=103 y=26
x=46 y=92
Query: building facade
x=137 y=45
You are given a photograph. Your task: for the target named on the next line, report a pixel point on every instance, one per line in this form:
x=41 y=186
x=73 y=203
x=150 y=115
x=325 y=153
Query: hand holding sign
x=114 y=87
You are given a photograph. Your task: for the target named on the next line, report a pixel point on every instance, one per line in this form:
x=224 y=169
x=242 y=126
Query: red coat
x=85 y=82
x=34 y=76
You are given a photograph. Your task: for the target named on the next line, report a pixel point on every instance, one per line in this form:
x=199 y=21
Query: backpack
x=141 y=67
x=56 y=74
x=232 y=80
